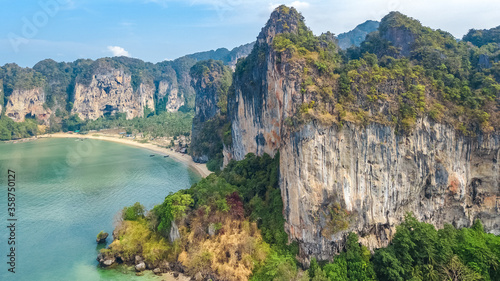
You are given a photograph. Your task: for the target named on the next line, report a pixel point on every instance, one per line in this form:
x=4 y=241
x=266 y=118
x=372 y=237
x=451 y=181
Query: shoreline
x=200 y=169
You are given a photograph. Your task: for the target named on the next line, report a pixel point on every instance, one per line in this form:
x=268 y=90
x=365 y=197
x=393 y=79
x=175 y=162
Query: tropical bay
x=68 y=190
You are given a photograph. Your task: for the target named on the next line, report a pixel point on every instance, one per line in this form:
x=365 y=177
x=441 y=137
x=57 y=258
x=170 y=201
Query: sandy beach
x=201 y=169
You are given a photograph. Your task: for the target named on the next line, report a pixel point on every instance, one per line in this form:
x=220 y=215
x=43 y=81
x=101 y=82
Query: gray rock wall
x=24 y=102
x=378 y=176
x=111 y=91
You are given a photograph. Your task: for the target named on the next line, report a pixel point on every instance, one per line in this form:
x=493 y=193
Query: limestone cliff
x=378 y=176
x=211 y=81
x=170 y=92
x=228 y=57
x=265 y=92
x=337 y=177
x=27 y=102
x=110 y=91
x=93 y=89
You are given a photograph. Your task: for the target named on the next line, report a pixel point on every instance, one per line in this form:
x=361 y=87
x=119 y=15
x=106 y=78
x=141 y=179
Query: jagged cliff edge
x=372 y=172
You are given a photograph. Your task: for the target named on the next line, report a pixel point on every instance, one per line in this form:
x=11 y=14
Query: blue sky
x=155 y=30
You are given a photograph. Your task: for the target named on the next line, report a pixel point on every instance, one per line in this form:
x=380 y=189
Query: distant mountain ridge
x=481 y=37
x=356 y=36
x=53 y=91
x=228 y=57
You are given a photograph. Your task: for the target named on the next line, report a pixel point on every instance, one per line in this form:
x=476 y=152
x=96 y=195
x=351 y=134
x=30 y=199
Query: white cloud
x=455 y=16
x=300 y=5
x=118 y=51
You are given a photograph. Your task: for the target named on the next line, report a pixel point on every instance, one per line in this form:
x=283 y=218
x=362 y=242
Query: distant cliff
x=27 y=102
x=228 y=57
x=363 y=141
x=355 y=37
x=481 y=37
x=105 y=87
x=211 y=81
x=110 y=91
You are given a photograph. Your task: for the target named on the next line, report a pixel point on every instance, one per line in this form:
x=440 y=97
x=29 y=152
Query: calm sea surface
x=69 y=190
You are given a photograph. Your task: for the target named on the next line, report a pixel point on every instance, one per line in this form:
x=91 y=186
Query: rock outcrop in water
x=353 y=176
x=101 y=237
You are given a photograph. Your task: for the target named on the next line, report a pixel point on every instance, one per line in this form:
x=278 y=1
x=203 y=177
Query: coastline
x=201 y=169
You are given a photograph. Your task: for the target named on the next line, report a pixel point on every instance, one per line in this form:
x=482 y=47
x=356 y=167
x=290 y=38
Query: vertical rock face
x=356 y=178
x=238 y=53
x=266 y=91
x=106 y=86
x=27 y=102
x=393 y=28
x=170 y=91
x=378 y=176
x=206 y=83
x=211 y=81
x=111 y=91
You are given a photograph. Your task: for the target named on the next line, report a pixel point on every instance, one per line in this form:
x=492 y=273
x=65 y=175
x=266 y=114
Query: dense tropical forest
x=165 y=124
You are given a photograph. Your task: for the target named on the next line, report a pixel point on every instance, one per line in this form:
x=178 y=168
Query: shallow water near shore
x=67 y=191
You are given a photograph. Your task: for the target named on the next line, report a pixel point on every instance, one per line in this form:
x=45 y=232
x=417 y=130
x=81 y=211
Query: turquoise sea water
x=69 y=190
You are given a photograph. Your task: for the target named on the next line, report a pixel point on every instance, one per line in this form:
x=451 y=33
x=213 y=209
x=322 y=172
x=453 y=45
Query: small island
x=101 y=237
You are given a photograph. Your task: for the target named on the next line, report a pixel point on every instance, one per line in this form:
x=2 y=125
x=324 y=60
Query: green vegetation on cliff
x=59 y=77
x=401 y=72
x=212 y=82
x=418 y=252
x=10 y=130
x=227 y=226
x=483 y=37
x=17 y=78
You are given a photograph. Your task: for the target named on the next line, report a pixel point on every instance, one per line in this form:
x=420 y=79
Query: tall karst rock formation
x=338 y=177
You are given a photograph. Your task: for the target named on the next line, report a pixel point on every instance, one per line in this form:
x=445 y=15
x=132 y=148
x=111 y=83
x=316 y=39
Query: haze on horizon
x=156 y=30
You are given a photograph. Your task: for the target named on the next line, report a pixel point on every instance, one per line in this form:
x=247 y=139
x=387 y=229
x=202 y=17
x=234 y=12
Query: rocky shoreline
x=140 y=265
x=110 y=260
